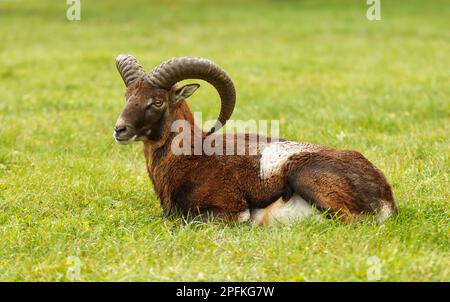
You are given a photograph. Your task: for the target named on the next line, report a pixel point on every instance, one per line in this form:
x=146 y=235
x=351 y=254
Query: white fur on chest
x=274 y=155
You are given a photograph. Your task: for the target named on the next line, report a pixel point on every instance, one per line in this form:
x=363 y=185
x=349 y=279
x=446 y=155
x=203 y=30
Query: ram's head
x=151 y=97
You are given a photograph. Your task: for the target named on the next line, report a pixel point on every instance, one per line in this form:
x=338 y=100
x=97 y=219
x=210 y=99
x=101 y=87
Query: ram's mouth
x=125 y=141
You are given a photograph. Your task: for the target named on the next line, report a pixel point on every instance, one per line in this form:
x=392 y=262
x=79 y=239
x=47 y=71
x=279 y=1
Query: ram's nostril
x=120 y=129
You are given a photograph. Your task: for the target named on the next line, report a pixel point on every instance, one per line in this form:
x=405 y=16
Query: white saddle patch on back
x=274 y=155
x=283 y=211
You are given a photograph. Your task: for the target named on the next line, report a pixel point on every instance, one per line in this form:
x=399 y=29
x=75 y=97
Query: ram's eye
x=157 y=102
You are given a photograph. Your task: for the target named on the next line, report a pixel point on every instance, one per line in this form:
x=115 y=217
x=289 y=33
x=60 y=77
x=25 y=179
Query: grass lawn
x=74 y=205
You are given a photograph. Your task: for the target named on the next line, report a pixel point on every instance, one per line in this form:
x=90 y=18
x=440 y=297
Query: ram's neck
x=160 y=158
x=161 y=150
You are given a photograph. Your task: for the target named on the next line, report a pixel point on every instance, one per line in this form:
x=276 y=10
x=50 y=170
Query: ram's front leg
x=224 y=207
x=224 y=215
x=217 y=201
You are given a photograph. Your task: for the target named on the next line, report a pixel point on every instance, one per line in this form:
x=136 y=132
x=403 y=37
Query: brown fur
x=341 y=182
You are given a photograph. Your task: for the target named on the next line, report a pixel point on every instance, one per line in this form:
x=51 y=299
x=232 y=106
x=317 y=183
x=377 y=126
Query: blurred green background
x=76 y=206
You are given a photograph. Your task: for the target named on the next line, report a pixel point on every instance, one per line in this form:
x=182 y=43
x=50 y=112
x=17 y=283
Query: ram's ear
x=184 y=92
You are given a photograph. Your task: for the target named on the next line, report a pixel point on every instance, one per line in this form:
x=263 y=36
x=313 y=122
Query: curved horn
x=177 y=69
x=129 y=68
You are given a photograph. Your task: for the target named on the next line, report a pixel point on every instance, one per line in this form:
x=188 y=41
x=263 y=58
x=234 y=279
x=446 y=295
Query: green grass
x=328 y=74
